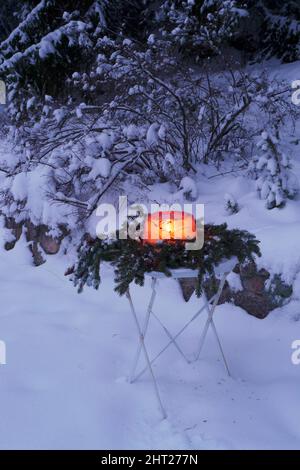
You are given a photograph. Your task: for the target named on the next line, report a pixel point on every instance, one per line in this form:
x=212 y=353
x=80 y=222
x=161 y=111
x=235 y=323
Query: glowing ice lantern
x=169 y=225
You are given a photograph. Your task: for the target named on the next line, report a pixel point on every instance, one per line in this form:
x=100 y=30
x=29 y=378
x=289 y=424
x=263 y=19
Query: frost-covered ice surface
x=68 y=356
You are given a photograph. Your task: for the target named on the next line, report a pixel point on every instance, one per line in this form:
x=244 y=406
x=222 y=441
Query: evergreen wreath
x=133 y=258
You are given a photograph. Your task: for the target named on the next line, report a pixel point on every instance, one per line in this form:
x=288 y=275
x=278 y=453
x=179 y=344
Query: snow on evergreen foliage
x=280 y=34
x=270 y=28
x=275 y=182
x=201 y=24
x=204 y=25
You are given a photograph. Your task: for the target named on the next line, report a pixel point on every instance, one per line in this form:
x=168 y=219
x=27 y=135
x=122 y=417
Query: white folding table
x=222 y=270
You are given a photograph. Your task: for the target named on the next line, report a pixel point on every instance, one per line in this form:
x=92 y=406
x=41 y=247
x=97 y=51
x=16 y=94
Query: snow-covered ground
x=68 y=356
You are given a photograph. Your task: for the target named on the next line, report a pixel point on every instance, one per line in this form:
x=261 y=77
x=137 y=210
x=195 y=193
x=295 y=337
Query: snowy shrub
x=275 y=182
x=231 y=206
x=188 y=188
x=280 y=31
x=204 y=28
x=152 y=122
x=201 y=26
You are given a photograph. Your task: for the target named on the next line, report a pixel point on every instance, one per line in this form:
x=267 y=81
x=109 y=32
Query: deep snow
x=68 y=356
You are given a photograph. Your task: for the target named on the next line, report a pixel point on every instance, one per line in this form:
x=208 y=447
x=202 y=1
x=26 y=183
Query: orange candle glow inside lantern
x=169 y=225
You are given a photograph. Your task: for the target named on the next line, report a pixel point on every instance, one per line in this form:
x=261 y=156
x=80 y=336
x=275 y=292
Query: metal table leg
x=144 y=349
x=210 y=322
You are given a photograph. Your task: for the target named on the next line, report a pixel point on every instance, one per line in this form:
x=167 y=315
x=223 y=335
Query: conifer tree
x=280 y=30
x=199 y=27
x=275 y=182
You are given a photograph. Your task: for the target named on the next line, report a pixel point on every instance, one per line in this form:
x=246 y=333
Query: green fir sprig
x=131 y=259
